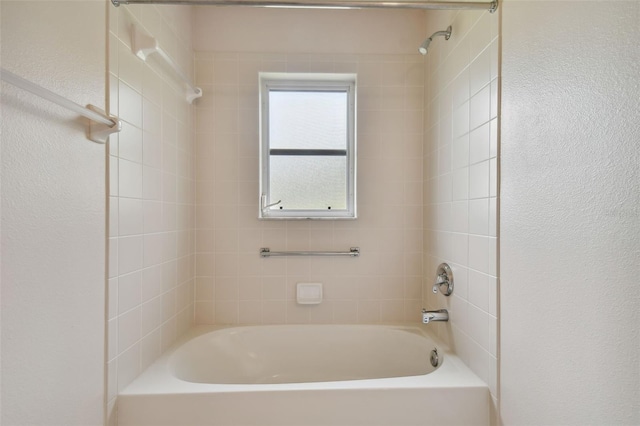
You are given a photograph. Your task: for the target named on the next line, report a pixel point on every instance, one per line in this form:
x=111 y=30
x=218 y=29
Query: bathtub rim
x=158 y=379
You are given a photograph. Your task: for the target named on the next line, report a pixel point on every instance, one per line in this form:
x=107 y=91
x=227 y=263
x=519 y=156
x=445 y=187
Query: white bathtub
x=305 y=375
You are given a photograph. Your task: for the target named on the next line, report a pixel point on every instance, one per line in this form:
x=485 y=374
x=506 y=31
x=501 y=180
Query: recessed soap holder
x=444 y=280
x=309 y=293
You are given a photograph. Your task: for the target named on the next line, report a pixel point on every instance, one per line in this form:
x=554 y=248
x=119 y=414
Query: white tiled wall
x=234 y=284
x=151 y=195
x=461 y=193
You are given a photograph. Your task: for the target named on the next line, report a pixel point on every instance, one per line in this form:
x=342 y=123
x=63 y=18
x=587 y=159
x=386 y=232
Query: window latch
x=263 y=200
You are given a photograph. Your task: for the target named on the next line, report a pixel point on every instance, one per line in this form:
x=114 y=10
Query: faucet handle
x=440 y=280
x=444 y=280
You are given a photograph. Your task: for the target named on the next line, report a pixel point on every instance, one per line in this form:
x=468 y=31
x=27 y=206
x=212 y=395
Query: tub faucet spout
x=439 y=315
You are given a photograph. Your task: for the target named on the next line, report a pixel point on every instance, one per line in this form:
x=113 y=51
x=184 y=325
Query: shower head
x=424 y=47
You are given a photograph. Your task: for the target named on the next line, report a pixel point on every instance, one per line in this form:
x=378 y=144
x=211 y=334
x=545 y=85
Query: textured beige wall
x=570 y=218
x=53 y=217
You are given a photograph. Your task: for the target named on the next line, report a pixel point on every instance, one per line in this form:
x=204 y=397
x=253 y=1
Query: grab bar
x=353 y=252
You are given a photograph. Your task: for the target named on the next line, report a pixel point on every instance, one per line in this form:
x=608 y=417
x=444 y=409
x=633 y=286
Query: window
x=307 y=144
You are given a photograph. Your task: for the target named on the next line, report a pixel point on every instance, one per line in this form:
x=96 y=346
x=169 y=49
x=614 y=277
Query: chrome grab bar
x=353 y=252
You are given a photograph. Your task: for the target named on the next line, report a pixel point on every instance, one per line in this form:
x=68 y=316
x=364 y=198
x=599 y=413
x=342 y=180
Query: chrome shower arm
x=446 y=34
x=424 y=47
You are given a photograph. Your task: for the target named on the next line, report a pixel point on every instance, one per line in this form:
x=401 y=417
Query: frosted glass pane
x=309 y=183
x=307 y=120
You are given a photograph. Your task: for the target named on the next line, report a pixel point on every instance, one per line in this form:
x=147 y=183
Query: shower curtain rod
x=328 y=4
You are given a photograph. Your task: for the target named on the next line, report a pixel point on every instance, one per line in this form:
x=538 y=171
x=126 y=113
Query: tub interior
x=302 y=354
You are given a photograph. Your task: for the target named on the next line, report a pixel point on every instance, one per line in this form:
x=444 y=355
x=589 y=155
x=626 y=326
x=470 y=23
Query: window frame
x=332 y=82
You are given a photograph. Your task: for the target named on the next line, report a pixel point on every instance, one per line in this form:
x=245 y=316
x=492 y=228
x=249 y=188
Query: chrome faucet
x=439 y=315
